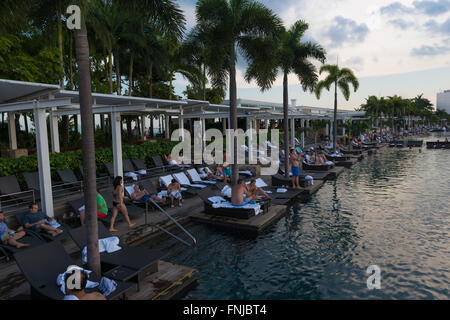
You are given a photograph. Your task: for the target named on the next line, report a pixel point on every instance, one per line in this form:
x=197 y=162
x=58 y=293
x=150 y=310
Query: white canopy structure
x=47 y=99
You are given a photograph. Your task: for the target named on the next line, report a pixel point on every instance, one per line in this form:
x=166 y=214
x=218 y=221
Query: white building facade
x=443 y=101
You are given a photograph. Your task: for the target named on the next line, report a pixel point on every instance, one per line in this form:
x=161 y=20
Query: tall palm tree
x=341 y=78
x=88 y=147
x=293 y=57
x=244 y=25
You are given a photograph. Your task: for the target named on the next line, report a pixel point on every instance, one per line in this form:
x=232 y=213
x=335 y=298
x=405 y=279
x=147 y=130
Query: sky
x=393 y=47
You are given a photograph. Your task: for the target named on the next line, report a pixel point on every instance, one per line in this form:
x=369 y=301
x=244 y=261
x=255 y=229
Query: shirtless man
x=256 y=191
x=140 y=194
x=174 y=192
x=295 y=169
x=237 y=194
x=79 y=293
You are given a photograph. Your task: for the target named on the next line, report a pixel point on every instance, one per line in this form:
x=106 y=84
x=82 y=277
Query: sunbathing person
x=140 y=194
x=9 y=237
x=237 y=194
x=102 y=209
x=118 y=204
x=35 y=221
x=256 y=191
x=174 y=192
x=217 y=176
x=73 y=293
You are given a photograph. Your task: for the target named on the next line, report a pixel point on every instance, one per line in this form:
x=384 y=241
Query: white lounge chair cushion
x=183 y=180
x=130 y=189
x=196 y=178
x=229 y=205
x=216 y=199
x=165 y=181
x=132 y=175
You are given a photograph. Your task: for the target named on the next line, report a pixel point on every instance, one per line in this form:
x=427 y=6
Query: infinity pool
x=390 y=210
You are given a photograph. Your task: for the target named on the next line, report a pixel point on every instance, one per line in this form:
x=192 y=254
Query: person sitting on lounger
x=74 y=293
x=217 y=176
x=102 y=209
x=35 y=221
x=140 y=194
x=256 y=191
x=9 y=237
x=237 y=194
x=295 y=168
x=174 y=192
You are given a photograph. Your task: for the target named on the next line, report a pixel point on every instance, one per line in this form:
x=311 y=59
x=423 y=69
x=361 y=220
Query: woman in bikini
x=118 y=204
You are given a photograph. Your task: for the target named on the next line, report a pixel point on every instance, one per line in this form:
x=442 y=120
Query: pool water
x=390 y=210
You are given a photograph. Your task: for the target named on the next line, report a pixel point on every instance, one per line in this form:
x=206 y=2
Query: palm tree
x=244 y=25
x=341 y=78
x=88 y=147
x=293 y=57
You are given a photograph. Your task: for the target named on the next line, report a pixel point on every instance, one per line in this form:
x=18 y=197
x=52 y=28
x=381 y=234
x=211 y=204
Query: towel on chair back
x=109 y=245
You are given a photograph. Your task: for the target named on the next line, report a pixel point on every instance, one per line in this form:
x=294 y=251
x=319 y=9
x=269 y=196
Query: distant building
x=443 y=101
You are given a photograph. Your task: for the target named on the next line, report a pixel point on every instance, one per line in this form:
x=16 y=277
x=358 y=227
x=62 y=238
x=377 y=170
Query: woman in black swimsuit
x=118 y=204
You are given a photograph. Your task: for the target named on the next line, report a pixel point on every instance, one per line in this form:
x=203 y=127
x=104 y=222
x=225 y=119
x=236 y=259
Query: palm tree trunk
x=151 y=126
x=233 y=119
x=130 y=76
x=60 y=45
x=204 y=82
x=71 y=66
x=88 y=148
x=118 y=75
x=150 y=81
x=110 y=71
x=286 y=124
x=335 y=117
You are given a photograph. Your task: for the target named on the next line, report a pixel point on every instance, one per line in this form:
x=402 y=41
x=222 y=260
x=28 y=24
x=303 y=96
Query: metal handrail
x=176 y=222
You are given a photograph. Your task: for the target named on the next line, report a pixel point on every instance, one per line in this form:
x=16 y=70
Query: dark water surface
x=390 y=210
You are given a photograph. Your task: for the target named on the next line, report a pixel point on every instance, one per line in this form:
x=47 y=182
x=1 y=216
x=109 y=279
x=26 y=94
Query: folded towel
x=142 y=171
x=226 y=191
x=310 y=180
x=330 y=163
x=248 y=173
x=132 y=175
x=216 y=199
x=227 y=204
x=162 y=194
x=83 y=207
x=281 y=190
x=176 y=194
x=107 y=286
x=52 y=223
x=110 y=244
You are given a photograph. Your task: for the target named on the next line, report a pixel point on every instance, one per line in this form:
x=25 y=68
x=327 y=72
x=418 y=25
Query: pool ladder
x=174 y=221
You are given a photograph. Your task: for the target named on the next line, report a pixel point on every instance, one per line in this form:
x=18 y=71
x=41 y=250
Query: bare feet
x=22 y=245
x=132 y=225
x=113 y=230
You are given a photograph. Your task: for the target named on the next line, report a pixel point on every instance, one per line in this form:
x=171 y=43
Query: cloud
x=436 y=27
x=401 y=23
x=395 y=8
x=432 y=8
x=430 y=50
x=346 y=31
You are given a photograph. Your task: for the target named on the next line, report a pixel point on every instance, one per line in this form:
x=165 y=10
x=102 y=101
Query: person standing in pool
x=295 y=169
x=118 y=204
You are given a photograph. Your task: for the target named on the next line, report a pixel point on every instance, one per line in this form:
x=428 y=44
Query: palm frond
x=345 y=89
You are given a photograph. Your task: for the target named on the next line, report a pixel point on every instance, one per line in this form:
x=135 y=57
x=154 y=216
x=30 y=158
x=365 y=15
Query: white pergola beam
x=117 y=143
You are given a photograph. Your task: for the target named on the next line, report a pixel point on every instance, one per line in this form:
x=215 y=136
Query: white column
x=293 y=132
x=45 y=181
x=167 y=128
x=203 y=133
x=12 y=131
x=54 y=131
x=303 y=133
x=116 y=143
x=181 y=123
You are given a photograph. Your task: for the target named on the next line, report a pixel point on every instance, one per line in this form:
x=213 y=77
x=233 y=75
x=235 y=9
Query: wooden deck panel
x=255 y=224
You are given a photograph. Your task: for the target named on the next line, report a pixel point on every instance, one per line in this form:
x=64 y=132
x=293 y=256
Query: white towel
x=132 y=175
x=83 y=207
x=110 y=244
x=329 y=163
x=281 y=190
x=226 y=191
x=246 y=173
x=310 y=180
x=107 y=286
x=53 y=223
x=216 y=199
x=162 y=194
x=142 y=171
x=229 y=205
x=176 y=194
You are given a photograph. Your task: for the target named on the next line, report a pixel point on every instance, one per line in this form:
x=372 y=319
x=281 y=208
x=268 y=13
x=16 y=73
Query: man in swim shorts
x=237 y=194
x=295 y=169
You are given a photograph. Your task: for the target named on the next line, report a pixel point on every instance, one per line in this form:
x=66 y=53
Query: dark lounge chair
x=78 y=203
x=236 y=213
x=42 y=265
x=317 y=167
x=139 y=262
x=140 y=165
x=167 y=167
x=32 y=180
x=10 y=189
